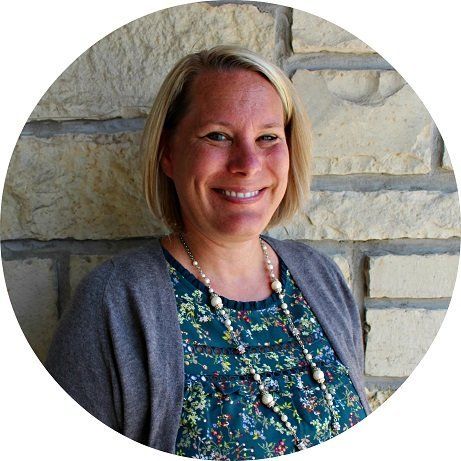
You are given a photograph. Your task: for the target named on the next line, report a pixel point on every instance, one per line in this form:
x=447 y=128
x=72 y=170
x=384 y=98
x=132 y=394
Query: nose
x=244 y=158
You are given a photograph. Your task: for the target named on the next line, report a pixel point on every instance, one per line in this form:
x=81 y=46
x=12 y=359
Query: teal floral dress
x=222 y=416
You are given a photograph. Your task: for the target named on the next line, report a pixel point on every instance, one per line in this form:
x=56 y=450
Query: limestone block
x=365 y=121
x=32 y=288
x=414 y=276
x=312 y=34
x=343 y=265
x=446 y=161
x=120 y=75
x=351 y=215
x=398 y=339
x=376 y=397
x=76 y=186
x=80 y=265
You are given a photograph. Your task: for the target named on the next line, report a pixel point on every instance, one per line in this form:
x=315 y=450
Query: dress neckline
x=229 y=303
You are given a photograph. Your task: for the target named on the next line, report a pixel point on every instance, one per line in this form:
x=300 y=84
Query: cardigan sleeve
x=355 y=322
x=80 y=358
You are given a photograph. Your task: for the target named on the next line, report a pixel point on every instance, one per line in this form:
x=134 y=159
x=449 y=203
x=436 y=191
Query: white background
x=39 y=40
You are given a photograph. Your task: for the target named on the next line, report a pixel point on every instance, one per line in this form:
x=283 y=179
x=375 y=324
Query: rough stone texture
x=446 y=161
x=398 y=339
x=312 y=34
x=376 y=397
x=351 y=215
x=76 y=186
x=119 y=75
x=343 y=265
x=365 y=121
x=32 y=288
x=80 y=265
x=415 y=276
x=90 y=187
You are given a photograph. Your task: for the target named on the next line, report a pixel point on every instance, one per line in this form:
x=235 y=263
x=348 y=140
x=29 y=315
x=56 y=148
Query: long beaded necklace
x=266 y=397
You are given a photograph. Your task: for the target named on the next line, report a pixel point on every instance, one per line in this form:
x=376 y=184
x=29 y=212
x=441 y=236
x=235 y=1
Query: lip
x=232 y=199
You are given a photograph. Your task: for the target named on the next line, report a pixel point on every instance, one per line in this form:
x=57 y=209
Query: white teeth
x=231 y=193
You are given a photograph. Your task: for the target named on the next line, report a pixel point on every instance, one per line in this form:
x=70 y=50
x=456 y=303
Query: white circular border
x=39 y=40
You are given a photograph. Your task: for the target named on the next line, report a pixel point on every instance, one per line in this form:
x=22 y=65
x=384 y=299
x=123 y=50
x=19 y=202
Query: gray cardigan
x=118 y=349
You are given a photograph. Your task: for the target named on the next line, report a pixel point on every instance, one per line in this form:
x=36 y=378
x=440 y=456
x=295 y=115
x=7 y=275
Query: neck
x=237 y=268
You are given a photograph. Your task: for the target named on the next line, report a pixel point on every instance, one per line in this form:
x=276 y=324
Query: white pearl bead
x=261 y=387
x=328 y=396
x=276 y=409
x=288 y=424
x=267 y=399
x=223 y=312
x=323 y=387
x=309 y=356
x=270 y=266
x=276 y=285
x=264 y=247
x=284 y=306
x=252 y=371
x=230 y=328
x=284 y=418
x=215 y=300
x=207 y=281
x=257 y=377
x=195 y=263
x=227 y=322
x=318 y=375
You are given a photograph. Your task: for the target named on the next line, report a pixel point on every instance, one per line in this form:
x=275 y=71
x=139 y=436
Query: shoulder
x=127 y=265
x=130 y=271
x=147 y=257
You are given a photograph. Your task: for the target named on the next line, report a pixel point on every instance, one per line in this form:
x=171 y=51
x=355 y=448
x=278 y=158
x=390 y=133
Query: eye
x=215 y=136
x=268 y=137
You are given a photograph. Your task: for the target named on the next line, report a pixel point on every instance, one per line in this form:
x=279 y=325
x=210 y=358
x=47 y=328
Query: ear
x=166 y=162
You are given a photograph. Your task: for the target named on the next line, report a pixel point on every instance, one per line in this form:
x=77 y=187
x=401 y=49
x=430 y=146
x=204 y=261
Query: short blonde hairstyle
x=172 y=102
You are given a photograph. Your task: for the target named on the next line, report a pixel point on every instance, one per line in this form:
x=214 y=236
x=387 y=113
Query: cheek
x=202 y=166
x=279 y=159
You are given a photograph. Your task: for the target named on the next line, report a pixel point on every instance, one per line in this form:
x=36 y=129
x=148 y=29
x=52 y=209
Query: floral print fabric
x=222 y=416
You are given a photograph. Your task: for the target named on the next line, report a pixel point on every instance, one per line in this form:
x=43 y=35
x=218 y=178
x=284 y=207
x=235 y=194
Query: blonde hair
x=172 y=102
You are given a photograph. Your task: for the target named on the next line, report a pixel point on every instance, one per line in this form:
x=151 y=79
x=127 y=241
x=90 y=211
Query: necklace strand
x=266 y=397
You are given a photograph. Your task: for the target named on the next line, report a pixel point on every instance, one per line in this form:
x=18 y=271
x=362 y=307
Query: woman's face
x=228 y=156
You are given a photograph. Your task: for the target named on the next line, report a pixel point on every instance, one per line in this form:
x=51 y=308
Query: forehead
x=241 y=88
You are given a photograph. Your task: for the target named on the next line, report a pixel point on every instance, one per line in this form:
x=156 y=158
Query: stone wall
x=384 y=201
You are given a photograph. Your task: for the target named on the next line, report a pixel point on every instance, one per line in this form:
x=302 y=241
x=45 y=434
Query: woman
x=214 y=342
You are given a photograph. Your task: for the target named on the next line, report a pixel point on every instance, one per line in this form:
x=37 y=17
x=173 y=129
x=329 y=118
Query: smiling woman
x=216 y=337
x=228 y=156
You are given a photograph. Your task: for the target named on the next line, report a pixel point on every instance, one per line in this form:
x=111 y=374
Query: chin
x=243 y=226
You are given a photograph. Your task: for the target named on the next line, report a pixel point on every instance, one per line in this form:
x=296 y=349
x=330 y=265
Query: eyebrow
x=226 y=124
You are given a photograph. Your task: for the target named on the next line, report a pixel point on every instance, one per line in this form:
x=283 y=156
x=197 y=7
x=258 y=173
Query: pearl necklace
x=266 y=398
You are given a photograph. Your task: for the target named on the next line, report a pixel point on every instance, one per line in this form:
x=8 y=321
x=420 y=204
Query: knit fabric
x=118 y=349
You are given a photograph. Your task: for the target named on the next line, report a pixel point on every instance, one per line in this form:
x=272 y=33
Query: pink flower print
x=280 y=448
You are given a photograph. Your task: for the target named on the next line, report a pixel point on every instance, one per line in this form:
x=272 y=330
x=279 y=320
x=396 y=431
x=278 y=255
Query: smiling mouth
x=231 y=193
